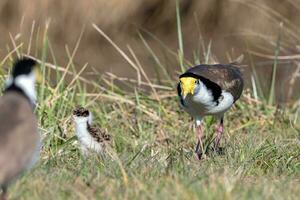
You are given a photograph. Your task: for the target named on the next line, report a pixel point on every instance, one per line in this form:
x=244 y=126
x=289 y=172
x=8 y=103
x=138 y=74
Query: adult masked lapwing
x=209 y=90
x=19 y=138
x=91 y=139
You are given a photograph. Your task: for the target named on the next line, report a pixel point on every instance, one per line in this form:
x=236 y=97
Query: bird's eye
x=86 y=113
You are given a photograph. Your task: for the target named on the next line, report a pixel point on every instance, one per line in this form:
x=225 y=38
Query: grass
x=152 y=155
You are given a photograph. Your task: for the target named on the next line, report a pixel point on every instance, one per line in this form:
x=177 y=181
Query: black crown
x=23 y=66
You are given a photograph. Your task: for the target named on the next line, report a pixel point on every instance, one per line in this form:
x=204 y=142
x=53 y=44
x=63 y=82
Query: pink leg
x=199 y=147
x=220 y=131
x=200 y=133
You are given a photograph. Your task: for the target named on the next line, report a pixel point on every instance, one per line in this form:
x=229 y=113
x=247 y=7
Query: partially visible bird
x=91 y=139
x=209 y=90
x=19 y=137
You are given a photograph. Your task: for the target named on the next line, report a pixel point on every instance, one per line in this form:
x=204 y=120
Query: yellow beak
x=38 y=75
x=187 y=85
x=187 y=90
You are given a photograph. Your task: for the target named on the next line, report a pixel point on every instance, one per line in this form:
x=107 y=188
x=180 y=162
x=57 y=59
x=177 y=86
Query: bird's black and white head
x=23 y=77
x=82 y=116
x=189 y=85
x=199 y=87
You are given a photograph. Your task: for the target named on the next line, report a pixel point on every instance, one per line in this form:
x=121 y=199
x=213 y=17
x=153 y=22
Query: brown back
x=98 y=134
x=228 y=77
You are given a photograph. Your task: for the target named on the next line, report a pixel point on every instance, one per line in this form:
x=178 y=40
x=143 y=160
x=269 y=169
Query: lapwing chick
x=19 y=138
x=91 y=139
x=209 y=90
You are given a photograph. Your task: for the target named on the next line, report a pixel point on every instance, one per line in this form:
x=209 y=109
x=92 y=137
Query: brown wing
x=18 y=136
x=228 y=77
x=99 y=134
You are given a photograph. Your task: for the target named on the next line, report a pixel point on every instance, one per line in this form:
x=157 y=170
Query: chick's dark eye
x=86 y=113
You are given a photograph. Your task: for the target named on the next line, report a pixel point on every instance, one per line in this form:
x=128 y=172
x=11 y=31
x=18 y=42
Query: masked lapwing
x=209 y=90
x=19 y=138
x=91 y=138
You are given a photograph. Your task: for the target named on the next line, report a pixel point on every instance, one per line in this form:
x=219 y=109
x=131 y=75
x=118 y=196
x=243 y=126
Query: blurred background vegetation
x=228 y=27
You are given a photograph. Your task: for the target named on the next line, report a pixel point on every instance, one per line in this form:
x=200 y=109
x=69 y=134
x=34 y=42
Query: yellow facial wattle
x=38 y=75
x=188 y=85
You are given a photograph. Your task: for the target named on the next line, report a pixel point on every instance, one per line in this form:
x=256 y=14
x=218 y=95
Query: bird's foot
x=200 y=156
x=216 y=144
x=198 y=151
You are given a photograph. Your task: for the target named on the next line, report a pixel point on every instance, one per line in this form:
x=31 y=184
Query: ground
x=152 y=155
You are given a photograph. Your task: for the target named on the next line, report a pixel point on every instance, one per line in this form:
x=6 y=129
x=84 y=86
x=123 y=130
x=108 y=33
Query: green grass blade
x=272 y=87
x=180 y=38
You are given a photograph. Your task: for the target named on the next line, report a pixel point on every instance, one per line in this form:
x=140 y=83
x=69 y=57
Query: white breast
x=87 y=142
x=202 y=104
x=223 y=105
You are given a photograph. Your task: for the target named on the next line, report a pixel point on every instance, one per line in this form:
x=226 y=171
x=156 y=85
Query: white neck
x=81 y=126
x=26 y=84
x=203 y=95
